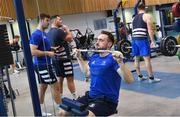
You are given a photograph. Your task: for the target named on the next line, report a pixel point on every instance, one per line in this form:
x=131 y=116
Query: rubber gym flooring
x=137 y=99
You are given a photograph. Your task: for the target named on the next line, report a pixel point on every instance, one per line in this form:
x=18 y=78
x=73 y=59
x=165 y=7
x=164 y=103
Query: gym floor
x=137 y=99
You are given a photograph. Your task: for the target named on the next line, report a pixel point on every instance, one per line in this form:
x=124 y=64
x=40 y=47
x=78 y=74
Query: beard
x=100 y=48
x=97 y=47
x=45 y=27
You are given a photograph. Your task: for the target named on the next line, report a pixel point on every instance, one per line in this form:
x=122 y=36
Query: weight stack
x=3 y=103
x=5 y=51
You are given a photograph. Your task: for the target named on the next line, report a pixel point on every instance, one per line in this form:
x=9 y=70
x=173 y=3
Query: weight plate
x=168 y=46
x=122 y=47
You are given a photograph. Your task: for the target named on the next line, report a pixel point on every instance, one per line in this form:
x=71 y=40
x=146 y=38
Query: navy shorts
x=99 y=106
x=140 y=47
x=45 y=74
x=63 y=67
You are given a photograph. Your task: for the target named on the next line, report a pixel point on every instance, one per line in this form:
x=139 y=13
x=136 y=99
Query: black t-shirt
x=15 y=47
x=57 y=37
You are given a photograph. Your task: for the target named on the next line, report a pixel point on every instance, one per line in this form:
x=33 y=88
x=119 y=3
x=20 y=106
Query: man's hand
x=118 y=56
x=153 y=44
x=50 y=53
x=76 y=53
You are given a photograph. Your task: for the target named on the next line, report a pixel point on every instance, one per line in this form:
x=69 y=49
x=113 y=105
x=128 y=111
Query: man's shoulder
x=146 y=15
x=36 y=33
x=55 y=30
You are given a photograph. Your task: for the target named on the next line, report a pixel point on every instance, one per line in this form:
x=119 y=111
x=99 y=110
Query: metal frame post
x=28 y=57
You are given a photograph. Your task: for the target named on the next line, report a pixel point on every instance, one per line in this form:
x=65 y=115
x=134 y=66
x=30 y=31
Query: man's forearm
x=39 y=53
x=83 y=66
x=151 y=35
x=126 y=73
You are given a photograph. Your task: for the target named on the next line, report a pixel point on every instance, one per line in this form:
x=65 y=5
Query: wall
x=78 y=21
x=84 y=20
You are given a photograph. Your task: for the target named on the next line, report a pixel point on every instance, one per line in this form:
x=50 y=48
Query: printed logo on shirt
x=44 y=36
x=103 y=63
x=92 y=105
x=93 y=62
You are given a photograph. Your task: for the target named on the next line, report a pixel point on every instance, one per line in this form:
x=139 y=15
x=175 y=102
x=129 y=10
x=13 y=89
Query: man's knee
x=147 y=59
x=91 y=114
x=137 y=58
x=63 y=113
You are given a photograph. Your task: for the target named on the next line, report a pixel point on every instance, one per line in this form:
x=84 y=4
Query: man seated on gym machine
x=14 y=45
x=106 y=71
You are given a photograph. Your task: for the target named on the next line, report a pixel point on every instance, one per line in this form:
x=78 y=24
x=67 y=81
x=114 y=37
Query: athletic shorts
x=45 y=74
x=140 y=47
x=63 y=67
x=99 y=106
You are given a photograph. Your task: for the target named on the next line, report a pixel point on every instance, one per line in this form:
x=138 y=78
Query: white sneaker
x=58 y=107
x=45 y=114
x=142 y=78
x=16 y=72
x=74 y=96
x=155 y=80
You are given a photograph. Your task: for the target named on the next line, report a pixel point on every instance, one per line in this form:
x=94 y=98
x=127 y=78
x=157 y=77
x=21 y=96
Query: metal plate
x=122 y=47
x=167 y=46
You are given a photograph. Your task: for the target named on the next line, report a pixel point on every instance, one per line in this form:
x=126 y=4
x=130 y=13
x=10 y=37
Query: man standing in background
x=142 y=27
x=60 y=36
x=41 y=52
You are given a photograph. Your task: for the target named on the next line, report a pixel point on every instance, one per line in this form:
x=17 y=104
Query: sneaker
x=16 y=72
x=155 y=80
x=87 y=79
x=58 y=107
x=74 y=96
x=142 y=78
x=45 y=114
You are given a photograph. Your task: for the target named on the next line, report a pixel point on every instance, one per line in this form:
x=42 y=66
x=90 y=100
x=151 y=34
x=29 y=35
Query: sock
x=151 y=77
x=140 y=76
x=42 y=105
x=57 y=106
x=61 y=95
x=74 y=95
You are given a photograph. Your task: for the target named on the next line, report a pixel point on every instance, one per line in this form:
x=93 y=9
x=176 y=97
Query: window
x=100 y=24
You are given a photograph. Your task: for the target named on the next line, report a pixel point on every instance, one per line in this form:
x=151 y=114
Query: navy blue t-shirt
x=57 y=37
x=105 y=81
x=39 y=38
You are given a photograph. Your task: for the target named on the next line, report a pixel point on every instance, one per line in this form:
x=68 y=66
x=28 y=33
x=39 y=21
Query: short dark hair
x=16 y=36
x=110 y=36
x=141 y=6
x=43 y=16
x=54 y=16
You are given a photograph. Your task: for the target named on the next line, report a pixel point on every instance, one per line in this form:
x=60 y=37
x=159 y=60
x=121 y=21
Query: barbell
x=100 y=51
x=168 y=46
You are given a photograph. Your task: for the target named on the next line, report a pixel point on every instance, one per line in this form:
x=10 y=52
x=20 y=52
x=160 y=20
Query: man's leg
x=137 y=64
x=42 y=91
x=138 y=70
x=147 y=60
x=136 y=53
x=56 y=92
x=61 y=79
x=71 y=86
